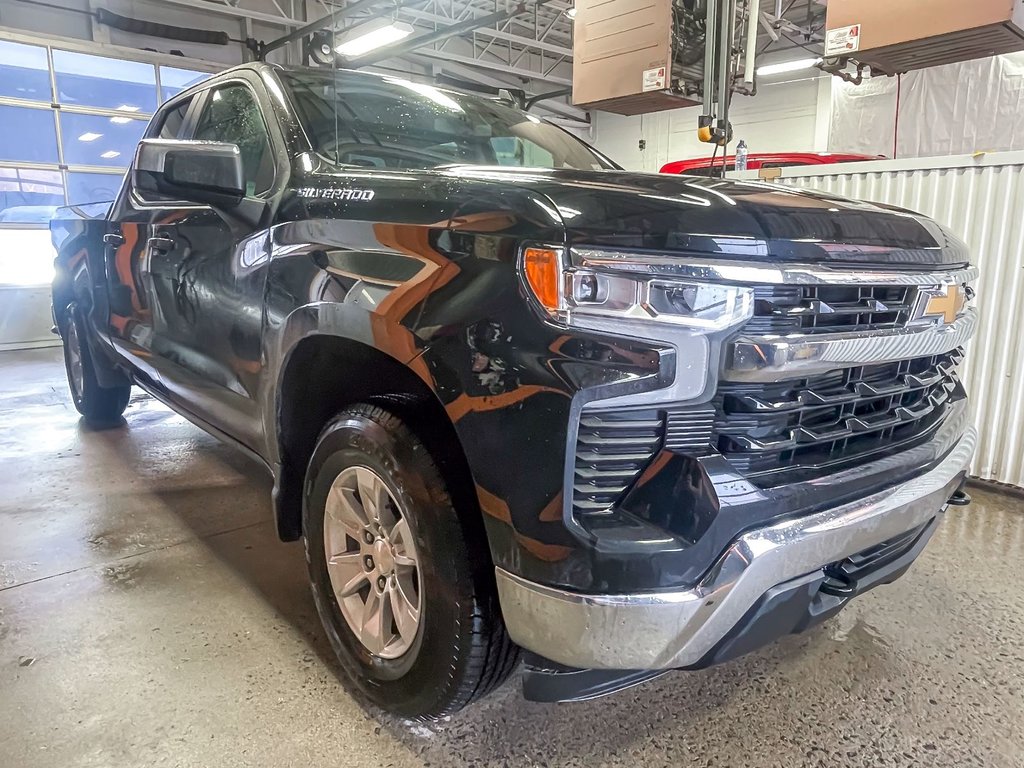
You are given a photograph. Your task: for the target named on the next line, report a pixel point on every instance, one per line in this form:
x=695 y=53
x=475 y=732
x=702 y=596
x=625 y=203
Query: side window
x=512 y=150
x=231 y=114
x=173 y=120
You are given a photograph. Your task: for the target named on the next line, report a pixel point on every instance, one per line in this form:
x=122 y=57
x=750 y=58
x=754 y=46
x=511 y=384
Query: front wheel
x=100 y=406
x=396 y=574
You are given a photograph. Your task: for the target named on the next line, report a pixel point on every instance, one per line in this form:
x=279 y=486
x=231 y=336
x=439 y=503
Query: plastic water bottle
x=741 y=156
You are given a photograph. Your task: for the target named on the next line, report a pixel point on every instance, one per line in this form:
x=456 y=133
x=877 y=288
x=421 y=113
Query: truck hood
x=749 y=220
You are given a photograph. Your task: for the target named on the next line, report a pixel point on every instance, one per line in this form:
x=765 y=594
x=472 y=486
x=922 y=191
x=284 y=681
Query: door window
x=232 y=115
x=170 y=128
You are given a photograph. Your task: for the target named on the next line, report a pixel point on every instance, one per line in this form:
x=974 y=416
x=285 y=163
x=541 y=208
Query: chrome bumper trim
x=775 y=358
x=665 y=630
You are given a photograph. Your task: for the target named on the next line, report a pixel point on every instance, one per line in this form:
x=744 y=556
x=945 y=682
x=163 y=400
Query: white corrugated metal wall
x=981 y=199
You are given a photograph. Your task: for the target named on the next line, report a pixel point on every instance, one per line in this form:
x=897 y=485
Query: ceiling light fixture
x=90 y=136
x=110 y=154
x=120 y=120
x=787 y=66
x=128 y=108
x=369 y=37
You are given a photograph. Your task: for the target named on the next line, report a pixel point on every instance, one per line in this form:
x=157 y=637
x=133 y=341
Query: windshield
x=388 y=122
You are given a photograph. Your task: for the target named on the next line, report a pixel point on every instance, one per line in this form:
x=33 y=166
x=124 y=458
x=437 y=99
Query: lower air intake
x=612 y=448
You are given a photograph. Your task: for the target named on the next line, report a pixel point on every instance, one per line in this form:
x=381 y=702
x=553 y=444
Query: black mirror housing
x=197 y=171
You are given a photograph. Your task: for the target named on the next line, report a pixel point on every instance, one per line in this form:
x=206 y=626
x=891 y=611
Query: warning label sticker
x=842 y=41
x=654 y=79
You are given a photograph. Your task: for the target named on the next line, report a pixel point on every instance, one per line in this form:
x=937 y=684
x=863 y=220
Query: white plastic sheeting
x=948 y=110
x=981 y=199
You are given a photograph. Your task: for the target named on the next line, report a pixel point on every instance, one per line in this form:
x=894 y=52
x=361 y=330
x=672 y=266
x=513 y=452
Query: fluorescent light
x=110 y=154
x=128 y=108
x=120 y=120
x=376 y=34
x=787 y=66
x=90 y=136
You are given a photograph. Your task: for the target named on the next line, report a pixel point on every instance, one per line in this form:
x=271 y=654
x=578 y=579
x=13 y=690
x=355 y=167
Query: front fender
x=338 y=321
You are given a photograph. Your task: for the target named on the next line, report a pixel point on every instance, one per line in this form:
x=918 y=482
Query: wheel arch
x=322 y=374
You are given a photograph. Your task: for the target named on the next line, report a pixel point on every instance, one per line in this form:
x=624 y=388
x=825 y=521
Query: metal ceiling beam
x=237 y=12
x=497 y=66
x=550 y=12
x=397 y=49
x=494 y=34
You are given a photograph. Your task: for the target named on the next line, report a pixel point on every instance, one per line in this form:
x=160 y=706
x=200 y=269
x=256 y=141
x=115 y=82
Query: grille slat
x=690 y=430
x=611 y=457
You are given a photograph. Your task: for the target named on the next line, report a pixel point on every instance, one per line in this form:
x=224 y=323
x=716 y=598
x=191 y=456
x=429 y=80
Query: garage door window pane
x=24 y=72
x=26 y=258
x=29 y=196
x=93 y=187
x=97 y=140
x=27 y=135
x=97 y=81
x=173 y=81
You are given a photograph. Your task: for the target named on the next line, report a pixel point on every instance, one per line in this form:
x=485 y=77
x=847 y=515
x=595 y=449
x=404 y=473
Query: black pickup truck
x=517 y=401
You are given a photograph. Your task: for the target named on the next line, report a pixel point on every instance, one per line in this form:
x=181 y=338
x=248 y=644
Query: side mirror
x=198 y=171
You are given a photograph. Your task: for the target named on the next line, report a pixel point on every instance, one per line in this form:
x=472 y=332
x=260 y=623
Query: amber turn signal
x=543 y=271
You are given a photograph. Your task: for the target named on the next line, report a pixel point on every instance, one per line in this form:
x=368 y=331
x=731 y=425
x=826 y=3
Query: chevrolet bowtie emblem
x=946 y=302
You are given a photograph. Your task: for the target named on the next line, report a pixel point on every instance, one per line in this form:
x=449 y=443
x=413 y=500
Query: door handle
x=160 y=244
x=114 y=239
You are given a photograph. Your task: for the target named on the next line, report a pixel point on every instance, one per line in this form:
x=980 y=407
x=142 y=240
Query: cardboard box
x=622 y=56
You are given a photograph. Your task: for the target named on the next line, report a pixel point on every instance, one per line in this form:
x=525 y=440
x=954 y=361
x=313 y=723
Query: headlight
x=570 y=295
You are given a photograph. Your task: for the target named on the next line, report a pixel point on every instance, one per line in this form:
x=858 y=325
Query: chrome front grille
x=807 y=427
x=785 y=309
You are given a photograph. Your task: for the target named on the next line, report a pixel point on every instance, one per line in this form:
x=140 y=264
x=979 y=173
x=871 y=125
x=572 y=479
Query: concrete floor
x=148 y=616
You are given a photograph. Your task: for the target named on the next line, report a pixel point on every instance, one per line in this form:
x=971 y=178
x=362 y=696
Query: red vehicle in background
x=705 y=166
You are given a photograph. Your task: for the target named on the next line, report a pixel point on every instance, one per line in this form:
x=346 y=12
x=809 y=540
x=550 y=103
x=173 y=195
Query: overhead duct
x=166 y=31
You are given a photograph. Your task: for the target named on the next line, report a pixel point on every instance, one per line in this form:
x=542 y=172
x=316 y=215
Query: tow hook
x=960 y=498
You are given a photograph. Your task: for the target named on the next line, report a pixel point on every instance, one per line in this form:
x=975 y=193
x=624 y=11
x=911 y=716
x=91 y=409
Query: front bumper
x=669 y=630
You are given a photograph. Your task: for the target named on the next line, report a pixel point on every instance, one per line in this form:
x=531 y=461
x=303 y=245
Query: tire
x=99 y=406
x=459 y=650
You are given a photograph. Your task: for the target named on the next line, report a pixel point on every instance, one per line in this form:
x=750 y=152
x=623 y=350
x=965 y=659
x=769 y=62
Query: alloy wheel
x=372 y=563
